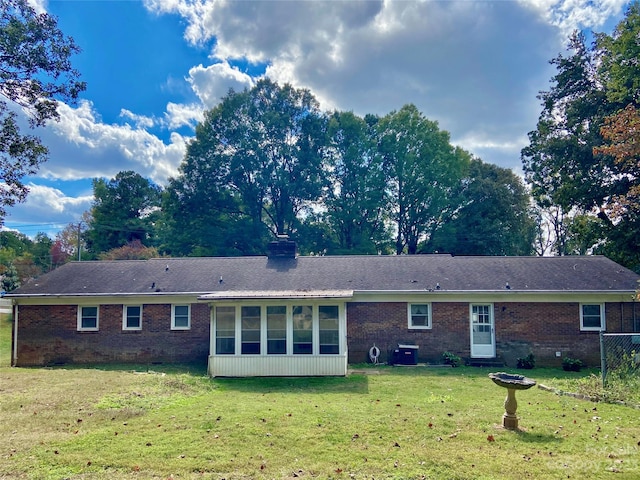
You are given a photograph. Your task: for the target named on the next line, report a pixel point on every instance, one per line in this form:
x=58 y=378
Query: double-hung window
x=88 y=318
x=132 y=317
x=303 y=330
x=276 y=330
x=592 y=317
x=181 y=317
x=250 y=318
x=225 y=330
x=329 y=329
x=419 y=315
x=272 y=329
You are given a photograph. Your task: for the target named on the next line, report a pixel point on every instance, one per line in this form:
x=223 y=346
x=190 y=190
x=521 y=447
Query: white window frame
x=289 y=305
x=410 y=317
x=286 y=338
x=603 y=317
x=80 y=316
x=245 y=332
x=216 y=330
x=173 y=317
x=125 y=309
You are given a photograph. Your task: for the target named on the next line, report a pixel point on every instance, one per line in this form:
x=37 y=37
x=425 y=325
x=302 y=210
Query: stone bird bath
x=512 y=383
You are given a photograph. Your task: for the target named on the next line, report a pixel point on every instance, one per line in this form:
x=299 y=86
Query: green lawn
x=402 y=423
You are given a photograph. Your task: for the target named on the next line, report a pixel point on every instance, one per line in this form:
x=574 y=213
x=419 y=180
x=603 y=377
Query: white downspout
x=211 y=340
x=14 y=359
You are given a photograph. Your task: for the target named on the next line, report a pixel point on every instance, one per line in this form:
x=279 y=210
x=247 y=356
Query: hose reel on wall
x=374 y=354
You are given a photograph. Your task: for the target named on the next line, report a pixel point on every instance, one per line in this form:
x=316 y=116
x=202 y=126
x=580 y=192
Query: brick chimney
x=283 y=248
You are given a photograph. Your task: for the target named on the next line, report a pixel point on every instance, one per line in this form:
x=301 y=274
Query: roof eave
x=275 y=295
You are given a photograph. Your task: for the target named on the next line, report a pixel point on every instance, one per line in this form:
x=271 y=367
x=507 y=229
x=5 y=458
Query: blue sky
x=153 y=67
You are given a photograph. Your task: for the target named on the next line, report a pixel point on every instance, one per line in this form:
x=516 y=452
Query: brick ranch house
x=289 y=315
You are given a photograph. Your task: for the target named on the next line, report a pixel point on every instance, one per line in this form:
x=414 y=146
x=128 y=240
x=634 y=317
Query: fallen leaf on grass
x=490 y=438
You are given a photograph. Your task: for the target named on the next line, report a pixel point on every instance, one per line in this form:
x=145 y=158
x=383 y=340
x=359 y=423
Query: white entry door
x=483 y=340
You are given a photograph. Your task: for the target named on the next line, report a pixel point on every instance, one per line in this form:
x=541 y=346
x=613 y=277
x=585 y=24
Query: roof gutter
x=484 y=292
x=73 y=295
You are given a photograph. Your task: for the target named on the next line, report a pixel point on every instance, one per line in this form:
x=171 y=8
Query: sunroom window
x=250 y=330
x=225 y=330
x=302 y=330
x=276 y=330
x=271 y=329
x=329 y=329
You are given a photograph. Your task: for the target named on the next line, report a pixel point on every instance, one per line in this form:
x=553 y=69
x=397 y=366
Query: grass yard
x=401 y=423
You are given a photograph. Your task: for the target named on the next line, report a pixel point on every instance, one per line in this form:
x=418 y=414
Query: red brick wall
x=48 y=335
x=386 y=325
x=520 y=328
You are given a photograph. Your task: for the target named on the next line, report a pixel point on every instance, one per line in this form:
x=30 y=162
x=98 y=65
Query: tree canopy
x=580 y=159
x=124 y=210
x=266 y=161
x=424 y=175
x=35 y=72
x=494 y=218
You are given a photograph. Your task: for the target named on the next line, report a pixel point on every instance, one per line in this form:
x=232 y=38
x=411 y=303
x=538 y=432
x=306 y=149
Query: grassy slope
x=404 y=423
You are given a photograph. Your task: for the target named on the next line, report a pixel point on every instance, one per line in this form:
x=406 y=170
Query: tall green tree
x=257 y=158
x=23 y=257
x=9 y=279
x=35 y=72
x=558 y=162
x=494 y=219
x=202 y=217
x=124 y=210
x=424 y=175
x=357 y=195
x=567 y=163
x=41 y=251
x=619 y=68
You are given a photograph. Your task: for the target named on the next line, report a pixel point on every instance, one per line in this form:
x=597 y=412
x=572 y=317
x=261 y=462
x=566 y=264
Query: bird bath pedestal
x=511 y=383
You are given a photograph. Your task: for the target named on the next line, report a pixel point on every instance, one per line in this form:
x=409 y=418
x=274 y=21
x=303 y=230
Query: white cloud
x=475 y=67
x=40 y=6
x=181 y=115
x=213 y=82
x=570 y=15
x=81 y=147
x=139 y=121
x=46 y=207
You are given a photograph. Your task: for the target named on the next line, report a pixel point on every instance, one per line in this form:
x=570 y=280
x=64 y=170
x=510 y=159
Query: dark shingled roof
x=340 y=273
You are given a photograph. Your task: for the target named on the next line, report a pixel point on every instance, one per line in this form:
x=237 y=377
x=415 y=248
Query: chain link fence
x=620 y=357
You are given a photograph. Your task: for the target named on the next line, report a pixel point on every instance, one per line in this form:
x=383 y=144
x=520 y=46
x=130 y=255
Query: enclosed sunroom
x=294 y=333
